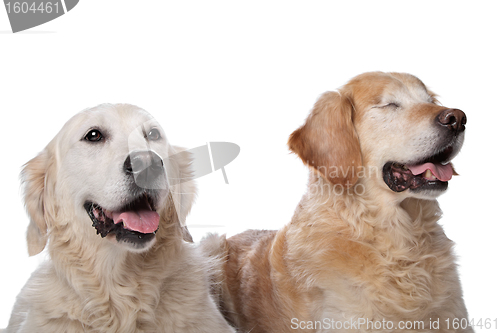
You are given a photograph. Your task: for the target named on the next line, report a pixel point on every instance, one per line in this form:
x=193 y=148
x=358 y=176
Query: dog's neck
x=92 y=268
x=359 y=208
x=352 y=229
x=77 y=258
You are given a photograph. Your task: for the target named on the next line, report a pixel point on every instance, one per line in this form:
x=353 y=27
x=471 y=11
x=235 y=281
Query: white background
x=249 y=73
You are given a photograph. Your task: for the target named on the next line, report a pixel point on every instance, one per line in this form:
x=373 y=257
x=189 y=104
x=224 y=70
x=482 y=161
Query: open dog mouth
x=432 y=173
x=135 y=222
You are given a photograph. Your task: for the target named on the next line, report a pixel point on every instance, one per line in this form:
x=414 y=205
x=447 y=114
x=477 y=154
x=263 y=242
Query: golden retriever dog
x=108 y=197
x=364 y=250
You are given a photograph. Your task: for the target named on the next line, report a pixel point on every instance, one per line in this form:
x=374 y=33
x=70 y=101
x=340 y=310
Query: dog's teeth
x=404 y=167
x=428 y=175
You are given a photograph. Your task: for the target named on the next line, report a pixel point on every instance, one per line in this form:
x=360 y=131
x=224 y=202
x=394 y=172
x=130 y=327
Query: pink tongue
x=441 y=172
x=144 y=221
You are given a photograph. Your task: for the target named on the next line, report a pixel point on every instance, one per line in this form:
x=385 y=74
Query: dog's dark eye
x=93 y=135
x=154 y=134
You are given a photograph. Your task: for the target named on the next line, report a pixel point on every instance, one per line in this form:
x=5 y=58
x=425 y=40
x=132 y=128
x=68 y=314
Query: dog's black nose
x=453 y=119
x=146 y=167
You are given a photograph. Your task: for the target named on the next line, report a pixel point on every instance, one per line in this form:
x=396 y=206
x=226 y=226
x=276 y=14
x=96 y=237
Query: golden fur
x=94 y=284
x=354 y=248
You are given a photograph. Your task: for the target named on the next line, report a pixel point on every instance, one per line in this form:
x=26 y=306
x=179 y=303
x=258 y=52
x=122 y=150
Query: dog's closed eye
x=391 y=105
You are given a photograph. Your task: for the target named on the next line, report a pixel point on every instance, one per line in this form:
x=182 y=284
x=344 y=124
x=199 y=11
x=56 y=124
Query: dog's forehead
x=120 y=119
x=123 y=116
x=374 y=88
x=406 y=86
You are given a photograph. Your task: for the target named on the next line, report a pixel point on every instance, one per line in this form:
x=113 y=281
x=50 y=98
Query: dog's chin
x=131 y=244
x=132 y=227
x=424 y=178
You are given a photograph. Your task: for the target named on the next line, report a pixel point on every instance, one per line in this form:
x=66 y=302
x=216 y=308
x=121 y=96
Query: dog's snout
x=453 y=119
x=146 y=166
x=139 y=161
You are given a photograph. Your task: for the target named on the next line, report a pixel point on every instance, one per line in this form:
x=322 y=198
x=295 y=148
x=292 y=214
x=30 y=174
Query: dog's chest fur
x=386 y=285
x=134 y=296
x=378 y=270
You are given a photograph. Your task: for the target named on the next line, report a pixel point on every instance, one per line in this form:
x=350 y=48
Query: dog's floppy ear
x=182 y=185
x=328 y=141
x=38 y=200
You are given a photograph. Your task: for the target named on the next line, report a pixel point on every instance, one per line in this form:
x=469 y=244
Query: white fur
x=94 y=284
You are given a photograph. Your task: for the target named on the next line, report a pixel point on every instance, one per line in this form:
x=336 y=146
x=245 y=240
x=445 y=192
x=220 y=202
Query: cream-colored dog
x=109 y=195
x=364 y=250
